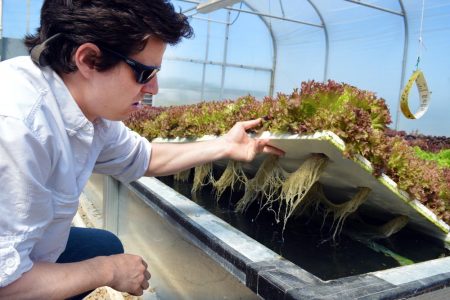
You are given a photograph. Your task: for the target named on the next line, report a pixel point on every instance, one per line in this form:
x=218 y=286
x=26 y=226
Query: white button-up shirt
x=48 y=150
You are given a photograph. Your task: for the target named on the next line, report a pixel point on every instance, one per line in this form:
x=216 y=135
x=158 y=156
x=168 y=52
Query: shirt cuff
x=9 y=265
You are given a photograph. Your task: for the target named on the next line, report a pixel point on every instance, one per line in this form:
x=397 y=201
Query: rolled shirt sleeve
x=125 y=155
x=9 y=264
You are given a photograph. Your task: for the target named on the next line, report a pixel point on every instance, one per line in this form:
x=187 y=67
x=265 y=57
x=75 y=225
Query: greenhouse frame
x=265 y=48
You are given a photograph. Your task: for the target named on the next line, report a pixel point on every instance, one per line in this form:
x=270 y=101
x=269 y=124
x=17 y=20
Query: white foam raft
x=342 y=177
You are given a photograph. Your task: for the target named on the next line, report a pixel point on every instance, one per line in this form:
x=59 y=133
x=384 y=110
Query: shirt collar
x=73 y=117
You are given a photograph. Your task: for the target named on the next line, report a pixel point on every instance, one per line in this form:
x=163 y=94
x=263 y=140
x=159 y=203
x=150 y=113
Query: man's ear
x=86 y=58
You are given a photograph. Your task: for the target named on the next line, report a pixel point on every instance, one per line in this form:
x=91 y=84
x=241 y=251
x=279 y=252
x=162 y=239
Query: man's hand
x=170 y=158
x=130 y=274
x=241 y=147
x=123 y=272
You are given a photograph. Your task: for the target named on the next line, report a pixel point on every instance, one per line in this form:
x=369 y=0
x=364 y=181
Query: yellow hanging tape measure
x=424 y=95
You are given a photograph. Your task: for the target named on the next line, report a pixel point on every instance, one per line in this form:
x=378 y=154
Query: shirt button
x=10 y=263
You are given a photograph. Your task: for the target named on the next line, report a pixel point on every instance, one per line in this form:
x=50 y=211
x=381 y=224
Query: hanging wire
x=421 y=45
x=237 y=16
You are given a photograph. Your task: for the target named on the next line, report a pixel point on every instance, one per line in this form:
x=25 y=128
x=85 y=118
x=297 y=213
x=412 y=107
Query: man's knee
x=85 y=243
x=108 y=242
x=113 y=243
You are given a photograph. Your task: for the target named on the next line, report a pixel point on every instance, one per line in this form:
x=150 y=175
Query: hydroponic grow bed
x=342 y=176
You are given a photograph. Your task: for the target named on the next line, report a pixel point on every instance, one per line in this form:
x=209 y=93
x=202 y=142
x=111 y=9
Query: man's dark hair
x=122 y=25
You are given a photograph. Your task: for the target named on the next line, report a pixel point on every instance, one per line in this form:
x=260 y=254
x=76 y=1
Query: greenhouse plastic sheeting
x=237 y=53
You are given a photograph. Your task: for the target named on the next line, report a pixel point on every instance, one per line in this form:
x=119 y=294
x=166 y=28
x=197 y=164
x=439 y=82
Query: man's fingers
x=144 y=263
x=147 y=275
x=251 y=123
x=145 y=285
x=273 y=150
x=139 y=292
x=270 y=149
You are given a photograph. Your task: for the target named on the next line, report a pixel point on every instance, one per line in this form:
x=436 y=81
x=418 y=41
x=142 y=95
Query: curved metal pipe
x=405 y=56
x=225 y=55
x=327 y=40
x=405 y=47
x=275 y=48
x=275 y=51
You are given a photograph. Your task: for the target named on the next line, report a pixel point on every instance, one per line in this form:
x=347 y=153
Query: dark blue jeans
x=85 y=243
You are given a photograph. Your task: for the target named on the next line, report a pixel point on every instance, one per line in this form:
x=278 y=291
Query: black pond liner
x=312 y=265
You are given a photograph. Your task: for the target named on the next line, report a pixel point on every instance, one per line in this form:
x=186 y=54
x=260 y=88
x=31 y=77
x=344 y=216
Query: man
x=91 y=63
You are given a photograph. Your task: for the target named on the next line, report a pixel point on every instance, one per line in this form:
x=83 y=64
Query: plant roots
x=202 y=176
x=266 y=184
x=297 y=185
x=340 y=211
x=232 y=175
x=182 y=176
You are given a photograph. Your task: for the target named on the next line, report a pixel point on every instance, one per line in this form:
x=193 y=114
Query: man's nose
x=151 y=87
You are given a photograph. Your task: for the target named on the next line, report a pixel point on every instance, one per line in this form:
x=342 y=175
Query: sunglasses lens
x=147 y=75
x=143 y=73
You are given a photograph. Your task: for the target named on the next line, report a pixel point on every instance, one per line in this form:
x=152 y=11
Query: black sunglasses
x=143 y=73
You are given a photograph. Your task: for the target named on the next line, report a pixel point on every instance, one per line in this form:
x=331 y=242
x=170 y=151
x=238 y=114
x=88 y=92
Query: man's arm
x=169 y=158
x=123 y=272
